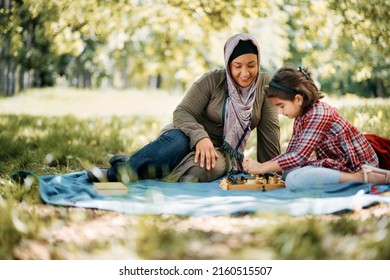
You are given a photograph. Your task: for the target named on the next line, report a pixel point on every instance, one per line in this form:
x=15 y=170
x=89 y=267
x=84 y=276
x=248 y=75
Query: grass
x=55 y=139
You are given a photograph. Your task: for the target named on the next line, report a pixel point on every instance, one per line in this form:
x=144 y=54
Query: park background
x=168 y=44
x=82 y=80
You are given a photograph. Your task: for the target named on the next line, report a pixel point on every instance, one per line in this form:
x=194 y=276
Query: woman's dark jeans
x=155 y=160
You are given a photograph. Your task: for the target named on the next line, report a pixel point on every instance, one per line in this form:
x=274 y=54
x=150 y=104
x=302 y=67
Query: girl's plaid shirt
x=322 y=137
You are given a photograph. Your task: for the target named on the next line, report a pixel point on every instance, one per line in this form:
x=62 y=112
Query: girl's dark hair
x=297 y=81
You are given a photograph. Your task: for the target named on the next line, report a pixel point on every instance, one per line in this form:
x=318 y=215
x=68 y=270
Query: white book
x=110 y=188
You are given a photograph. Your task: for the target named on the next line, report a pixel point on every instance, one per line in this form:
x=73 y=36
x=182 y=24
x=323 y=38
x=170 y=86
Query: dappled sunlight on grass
x=69 y=142
x=370 y=119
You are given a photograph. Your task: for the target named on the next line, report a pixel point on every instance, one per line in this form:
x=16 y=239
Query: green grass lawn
x=58 y=131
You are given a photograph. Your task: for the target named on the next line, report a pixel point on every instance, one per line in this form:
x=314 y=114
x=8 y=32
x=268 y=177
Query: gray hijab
x=239 y=105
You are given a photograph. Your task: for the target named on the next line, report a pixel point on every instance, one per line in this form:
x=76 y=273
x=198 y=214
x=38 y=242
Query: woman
x=324 y=149
x=210 y=126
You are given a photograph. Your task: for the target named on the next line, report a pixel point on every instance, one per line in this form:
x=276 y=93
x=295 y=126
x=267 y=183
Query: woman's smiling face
x=244 y=69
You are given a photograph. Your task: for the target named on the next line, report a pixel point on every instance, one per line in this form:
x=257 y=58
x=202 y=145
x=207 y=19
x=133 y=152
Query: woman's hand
x=205 y=153
x=251 y=166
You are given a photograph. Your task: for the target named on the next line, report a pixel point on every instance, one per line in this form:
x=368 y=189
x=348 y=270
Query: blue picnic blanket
x=206 y=199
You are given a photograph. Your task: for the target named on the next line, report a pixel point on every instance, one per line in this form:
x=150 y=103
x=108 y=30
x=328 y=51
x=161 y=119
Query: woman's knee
x=174 y=138
x=201 y=174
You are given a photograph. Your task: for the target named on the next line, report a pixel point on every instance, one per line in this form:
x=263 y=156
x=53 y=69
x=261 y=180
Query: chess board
x=258 y=182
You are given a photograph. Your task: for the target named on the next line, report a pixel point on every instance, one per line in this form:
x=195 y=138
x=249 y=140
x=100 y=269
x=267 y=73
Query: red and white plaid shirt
x=322 y=137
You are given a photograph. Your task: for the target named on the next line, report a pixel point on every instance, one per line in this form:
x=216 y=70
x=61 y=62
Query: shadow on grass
x=66 y=143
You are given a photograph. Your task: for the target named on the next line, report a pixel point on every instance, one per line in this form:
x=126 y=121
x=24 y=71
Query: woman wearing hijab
x=211 y=125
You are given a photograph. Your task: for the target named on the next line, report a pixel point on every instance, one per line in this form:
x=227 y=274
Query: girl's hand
x=205 y=153
x=251 y=166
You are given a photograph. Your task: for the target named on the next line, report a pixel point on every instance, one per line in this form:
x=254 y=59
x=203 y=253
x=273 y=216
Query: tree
x=168 y=43
x=7 y=65
x=26 y=58
x=88 y=41
x=365 y=25
x=346 y=42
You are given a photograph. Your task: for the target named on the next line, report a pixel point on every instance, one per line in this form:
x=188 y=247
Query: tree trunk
x=380 y=88
x=125 y=77
x=11 y=81
x=22 y=84
x=155 y=81
x=87 y=80
x=5 y=61
x=5 y=4
x=2 y=71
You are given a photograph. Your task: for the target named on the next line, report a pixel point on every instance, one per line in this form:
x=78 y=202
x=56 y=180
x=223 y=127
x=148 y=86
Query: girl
x=325 y=148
